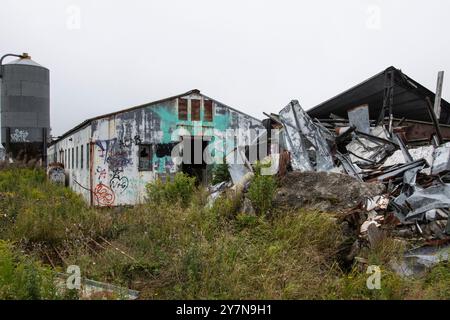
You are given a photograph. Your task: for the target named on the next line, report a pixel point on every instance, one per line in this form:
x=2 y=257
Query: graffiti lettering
x=114 y=153
x=104 y=195
x=101 y=173
x=119 y=183
x=127 y=142
x=19 y=136
x=118 y=160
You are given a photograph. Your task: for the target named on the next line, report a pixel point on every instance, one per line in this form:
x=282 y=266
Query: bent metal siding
x=101 y=159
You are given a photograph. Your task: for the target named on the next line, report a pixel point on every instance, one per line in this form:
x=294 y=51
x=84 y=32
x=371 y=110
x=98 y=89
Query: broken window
x=182 y=109
x=145 y=157
x=195 y=110
x=208 y=112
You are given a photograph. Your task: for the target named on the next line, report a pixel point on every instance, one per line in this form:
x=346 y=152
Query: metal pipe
x=22 y=56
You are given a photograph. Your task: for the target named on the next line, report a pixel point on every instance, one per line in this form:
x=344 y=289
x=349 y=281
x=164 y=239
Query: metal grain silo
x=25 y=107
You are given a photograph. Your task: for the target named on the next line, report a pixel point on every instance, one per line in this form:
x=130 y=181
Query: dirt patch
x=322 y=191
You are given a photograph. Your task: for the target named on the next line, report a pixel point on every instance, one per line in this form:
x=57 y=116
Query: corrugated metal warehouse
x=109 y=159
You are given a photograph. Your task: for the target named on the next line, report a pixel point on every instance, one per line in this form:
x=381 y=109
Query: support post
x=437 y=99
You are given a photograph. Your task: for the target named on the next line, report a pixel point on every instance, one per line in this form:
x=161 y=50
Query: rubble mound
x=323 y=191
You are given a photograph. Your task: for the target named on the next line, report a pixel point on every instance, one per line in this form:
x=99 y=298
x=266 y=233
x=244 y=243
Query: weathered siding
x=113 y=173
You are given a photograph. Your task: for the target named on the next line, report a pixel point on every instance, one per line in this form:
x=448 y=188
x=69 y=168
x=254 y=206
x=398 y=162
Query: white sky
x=253 y=55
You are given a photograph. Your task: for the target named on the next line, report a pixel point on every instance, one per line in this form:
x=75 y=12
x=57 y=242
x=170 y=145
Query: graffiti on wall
x=117 y=179
x=19 y=136
x=118 y=182
x=104 y=195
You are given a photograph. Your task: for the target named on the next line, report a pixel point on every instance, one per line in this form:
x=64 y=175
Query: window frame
x=183 y=110
x=197 y=111
x=150 y=157
x=208 y=105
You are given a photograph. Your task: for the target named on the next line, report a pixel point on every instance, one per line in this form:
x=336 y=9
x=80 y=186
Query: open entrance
x=193 y=162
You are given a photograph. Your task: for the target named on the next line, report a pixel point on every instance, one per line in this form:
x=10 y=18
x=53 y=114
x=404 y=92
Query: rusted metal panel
x=182 y=109
x=208 y=113
x=195 y=110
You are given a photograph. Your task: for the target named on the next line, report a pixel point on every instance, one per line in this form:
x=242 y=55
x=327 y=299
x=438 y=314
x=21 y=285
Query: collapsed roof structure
x=388 y=129
x=408 y=98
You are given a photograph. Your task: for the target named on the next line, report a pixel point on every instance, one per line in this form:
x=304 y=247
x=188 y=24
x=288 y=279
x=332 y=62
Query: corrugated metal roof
x=409 y=99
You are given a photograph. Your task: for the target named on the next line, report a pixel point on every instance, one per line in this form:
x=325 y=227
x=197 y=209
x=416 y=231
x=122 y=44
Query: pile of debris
x=415 y=200
x=323 y=191
x=384 y=174
x=417 y=180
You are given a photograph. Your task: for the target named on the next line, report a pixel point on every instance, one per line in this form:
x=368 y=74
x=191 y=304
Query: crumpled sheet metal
x=238 y=165
x=350 y=168
x=398 y=170
x=417 y=261
x=358 y=117
x=424 y=200
x=367 y=150
x=295 y=142
x=441 y=159
x=301 y=134
x=425 y=152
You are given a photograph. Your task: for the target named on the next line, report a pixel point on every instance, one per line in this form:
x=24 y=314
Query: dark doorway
x=193 y=162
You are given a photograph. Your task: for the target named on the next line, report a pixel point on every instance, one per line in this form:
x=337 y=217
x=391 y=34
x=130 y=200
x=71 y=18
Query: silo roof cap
x=25 y=61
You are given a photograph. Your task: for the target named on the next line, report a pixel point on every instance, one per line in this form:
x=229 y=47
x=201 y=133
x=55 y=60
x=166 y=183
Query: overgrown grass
x=23 y=278
x=180 y=190
x=33 y=210
x=262 y=190
x=178 y=248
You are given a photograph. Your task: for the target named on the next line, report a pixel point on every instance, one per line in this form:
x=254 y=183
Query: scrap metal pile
x=416 y=201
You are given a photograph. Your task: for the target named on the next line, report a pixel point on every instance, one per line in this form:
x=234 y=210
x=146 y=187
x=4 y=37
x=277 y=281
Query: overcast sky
x=256 y=55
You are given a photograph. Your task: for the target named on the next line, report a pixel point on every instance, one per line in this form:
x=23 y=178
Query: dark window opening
x=182 y=109
x=145 y=157
x=87 y=156
x=164 y=149
x=76 y=162
x=73 y=159
x=81 y=157
x=208 y=115
x=195 y=110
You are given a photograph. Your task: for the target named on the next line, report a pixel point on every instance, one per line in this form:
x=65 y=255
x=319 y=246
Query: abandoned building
x=109 y=159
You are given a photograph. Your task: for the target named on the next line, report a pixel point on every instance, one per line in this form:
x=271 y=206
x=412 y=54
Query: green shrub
x=261 y=192
x=22 y=278
x=227 y=205
x=180 y=190
x=220 y=173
